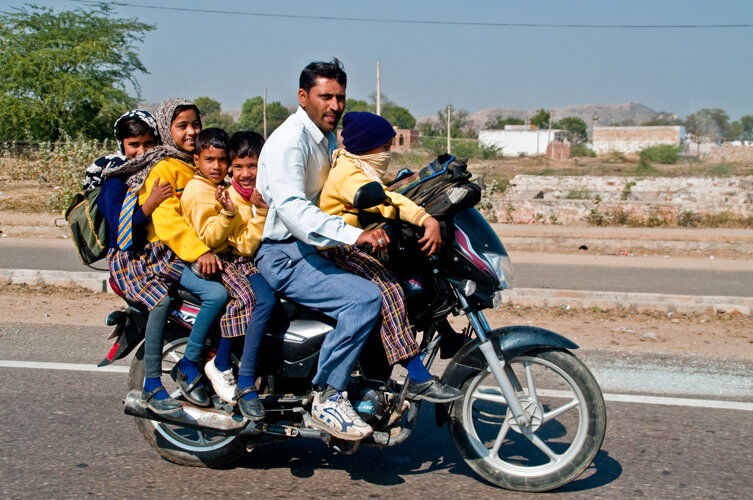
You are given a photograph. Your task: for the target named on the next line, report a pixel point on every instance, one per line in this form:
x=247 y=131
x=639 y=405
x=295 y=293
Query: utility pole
x=449 y=112
x=264 y=113
x=379 y=93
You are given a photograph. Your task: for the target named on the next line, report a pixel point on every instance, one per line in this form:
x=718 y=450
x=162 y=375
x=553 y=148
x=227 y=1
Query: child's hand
x=221 y=195
x=160 y=192
x=432 y=236
x=257 y=200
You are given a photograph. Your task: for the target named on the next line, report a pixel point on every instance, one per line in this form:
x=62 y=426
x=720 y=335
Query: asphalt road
x=674 y=276
x=64 y=435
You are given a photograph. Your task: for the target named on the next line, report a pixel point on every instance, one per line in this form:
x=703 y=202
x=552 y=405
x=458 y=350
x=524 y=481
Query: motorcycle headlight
x=503 y=268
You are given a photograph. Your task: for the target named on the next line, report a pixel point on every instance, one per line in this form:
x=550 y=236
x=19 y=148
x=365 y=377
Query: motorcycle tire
x=567 y=422
x=177 y=444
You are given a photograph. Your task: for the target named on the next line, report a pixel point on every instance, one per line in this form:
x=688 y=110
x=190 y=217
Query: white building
x=519 y=140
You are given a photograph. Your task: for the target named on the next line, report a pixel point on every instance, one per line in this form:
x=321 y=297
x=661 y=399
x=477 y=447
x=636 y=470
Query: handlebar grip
x=366 y=247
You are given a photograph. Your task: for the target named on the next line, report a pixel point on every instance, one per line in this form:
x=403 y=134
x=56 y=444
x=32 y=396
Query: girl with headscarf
x=172 y=243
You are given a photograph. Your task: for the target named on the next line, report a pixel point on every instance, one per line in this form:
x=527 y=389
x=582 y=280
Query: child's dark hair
x=244 y=144
x=320 y=69
x=182 y=108
x=132 y=127
x=211 y=137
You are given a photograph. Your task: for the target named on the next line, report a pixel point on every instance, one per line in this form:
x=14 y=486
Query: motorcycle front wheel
x=567 y=422
x=177 y=444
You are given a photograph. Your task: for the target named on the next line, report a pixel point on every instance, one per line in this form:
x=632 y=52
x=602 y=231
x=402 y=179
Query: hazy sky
x=231 y=57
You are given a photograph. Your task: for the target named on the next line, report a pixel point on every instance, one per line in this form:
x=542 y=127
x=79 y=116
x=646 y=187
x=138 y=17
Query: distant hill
x=608 y=114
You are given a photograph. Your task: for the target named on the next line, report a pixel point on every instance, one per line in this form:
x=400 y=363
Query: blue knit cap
x=364 y=131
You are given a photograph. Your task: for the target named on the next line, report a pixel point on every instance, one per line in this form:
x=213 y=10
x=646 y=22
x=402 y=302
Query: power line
x=426 y=22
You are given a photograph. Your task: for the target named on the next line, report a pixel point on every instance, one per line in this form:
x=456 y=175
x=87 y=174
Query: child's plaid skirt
x=396 y=333
x=145 y=276
x=241 y=301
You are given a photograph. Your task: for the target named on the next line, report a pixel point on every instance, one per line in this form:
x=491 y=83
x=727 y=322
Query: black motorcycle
x=532 y=416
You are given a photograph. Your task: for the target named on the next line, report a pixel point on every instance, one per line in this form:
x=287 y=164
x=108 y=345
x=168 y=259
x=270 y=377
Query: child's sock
x=417 y=372
x=222 y=358
x=243 y=382
x=189 y=368
x=152 y=383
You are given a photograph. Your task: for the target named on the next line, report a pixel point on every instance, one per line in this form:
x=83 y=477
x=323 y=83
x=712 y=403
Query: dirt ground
x=727 y=335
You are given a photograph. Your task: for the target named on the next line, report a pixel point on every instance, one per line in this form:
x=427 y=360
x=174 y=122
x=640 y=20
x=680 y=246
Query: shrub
x=663 y=154
x=581 y=150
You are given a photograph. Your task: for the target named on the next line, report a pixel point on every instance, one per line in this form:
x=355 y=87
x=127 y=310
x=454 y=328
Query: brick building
x=634 y=139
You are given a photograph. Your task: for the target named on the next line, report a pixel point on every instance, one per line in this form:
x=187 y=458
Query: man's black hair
x=244 y=144
x=132 y=127
x=182 y=108
x=322 y=69
x=209 y=137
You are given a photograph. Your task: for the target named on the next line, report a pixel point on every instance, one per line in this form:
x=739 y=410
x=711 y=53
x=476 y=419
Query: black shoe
x=161 y=406
x=194 y=391
x=433 y=391
x=252 y=409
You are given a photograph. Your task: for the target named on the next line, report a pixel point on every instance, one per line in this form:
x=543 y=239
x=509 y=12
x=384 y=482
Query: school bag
x=442 y=188
x=88 y=226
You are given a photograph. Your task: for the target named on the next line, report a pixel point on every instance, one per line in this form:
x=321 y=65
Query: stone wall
x=573 y=200
x=634 y=139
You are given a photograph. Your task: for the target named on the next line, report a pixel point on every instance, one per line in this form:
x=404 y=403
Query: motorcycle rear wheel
x=568 y=422
x=177 y=444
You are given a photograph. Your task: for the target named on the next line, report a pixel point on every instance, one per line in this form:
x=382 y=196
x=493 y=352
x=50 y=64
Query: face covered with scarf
x=368 y=142
x=170 y=111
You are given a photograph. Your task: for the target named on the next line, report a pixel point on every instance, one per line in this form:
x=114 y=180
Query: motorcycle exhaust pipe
x=191 y=416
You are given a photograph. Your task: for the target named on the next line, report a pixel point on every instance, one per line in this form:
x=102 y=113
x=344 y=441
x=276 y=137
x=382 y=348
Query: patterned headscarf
x=140 y=166
x=94 y=173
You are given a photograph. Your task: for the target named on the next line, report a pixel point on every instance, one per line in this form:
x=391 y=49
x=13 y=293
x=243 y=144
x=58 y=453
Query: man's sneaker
x=336 y=416
x=224 y=383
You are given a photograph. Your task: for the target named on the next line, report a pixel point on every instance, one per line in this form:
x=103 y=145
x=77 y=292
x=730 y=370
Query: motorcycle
x=532 y=416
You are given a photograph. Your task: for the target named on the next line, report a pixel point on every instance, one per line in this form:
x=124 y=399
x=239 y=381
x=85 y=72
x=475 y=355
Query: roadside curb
x=524 y=297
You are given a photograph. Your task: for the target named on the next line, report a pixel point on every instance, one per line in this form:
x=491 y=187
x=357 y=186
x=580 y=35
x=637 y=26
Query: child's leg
x=222 y=358
x=264 y=306
x=153 y=336
x=213 y=297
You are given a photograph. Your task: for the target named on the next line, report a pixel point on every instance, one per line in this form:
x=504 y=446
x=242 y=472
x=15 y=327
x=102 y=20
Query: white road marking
x=620 y=398
x=63 y=366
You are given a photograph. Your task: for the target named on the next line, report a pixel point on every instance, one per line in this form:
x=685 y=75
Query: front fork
x=496 y=365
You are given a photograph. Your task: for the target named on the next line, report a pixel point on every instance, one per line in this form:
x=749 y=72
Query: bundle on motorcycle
x=531 y=418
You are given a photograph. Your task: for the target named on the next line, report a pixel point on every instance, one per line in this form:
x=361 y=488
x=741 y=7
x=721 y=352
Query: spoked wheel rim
x=183 y=437
x=557 y=411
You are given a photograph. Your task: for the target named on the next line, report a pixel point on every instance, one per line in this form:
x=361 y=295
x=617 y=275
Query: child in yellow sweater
x=231 y=225
x=368 y=142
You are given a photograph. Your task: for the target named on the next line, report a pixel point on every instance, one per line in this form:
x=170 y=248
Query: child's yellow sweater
x=245 y=237
x=344 y=180
x=168 y=224
x=201 y=210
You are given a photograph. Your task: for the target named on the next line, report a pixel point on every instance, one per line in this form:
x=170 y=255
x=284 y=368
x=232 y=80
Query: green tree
x=710 y=124
x=499 y=122
x=66 y=73
x=541 y=118
x=212 y=115
x=399 y=116
x=459 y=124
x=357 y=105
x=252 y=115
x=742 y=129
x=577 y=130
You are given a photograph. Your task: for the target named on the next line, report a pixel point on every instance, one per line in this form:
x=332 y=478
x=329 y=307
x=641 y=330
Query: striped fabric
x=145 y=277
x=125 y=226
x=396 y=332
x=241 y=297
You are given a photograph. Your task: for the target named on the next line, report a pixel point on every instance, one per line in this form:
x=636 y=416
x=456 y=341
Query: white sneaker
x=336 y=416
x=224 y=383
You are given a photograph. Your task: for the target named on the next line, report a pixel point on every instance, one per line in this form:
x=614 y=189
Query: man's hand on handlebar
x=209 y=264
x=377 y=238
x=432 y=238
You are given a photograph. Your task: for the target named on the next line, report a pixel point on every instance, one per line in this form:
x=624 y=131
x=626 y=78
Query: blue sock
x=222 y=358
x=417 y=372
x=189 y=368
x=152 y=383
x=243 y=382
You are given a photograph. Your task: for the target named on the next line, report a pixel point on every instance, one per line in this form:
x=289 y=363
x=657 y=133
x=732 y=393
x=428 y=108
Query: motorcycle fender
x=129 y=332
x=509 y=342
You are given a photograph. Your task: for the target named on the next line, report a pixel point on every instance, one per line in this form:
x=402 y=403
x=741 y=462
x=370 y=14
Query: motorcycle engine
x=368 y=404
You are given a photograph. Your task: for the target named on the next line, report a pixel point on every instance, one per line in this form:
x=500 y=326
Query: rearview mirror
x=369 y=195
